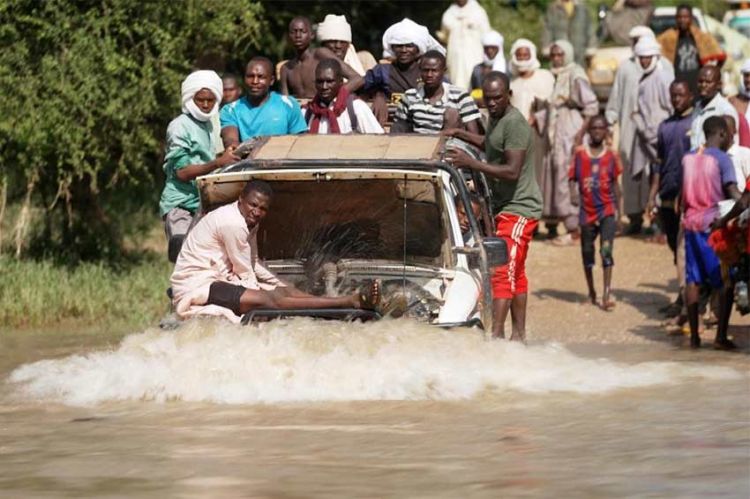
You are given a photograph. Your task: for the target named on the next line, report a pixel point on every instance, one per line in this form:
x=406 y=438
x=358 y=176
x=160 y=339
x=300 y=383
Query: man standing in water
x=298 y=74
x=516 y=197
x=218 y=271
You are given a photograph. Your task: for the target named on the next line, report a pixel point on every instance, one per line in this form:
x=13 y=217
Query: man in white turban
x=335 y=34
x=404 y=42
x=190 y=153
x=462 y=27
x=623 y=101
x=654 y=105
x=494 y=58
x=531 y=88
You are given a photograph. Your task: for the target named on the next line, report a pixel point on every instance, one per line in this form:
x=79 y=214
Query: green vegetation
x=89 y=88
x=42 y=293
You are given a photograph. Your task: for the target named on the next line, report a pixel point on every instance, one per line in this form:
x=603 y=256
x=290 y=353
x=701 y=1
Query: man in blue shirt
x=673 y=142
x=261 y=112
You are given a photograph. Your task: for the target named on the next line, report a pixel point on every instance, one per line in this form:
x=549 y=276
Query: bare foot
x=608 y=305
x=592 y=298
x=369 y=297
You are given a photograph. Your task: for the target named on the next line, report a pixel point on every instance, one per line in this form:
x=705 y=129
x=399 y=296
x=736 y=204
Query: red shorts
x=510 y=279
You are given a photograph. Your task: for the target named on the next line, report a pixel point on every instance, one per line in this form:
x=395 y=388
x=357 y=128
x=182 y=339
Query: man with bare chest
x=298 y=74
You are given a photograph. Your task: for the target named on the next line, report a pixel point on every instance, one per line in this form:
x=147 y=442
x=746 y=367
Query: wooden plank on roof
x=416 y=147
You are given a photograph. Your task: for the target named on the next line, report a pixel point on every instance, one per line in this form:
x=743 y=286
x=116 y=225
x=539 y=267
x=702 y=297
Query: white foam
x=305 y=360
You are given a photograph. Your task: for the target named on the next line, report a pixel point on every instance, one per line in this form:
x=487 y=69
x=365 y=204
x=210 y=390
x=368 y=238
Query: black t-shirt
x=686 y=61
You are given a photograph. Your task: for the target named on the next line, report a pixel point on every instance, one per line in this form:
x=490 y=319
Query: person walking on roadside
x=708 y=178
x=189 y=154
x=595 y=169
x=532 y=89
x=516 y=198
x=653 y=107
x=622 y=103
x=572 y=103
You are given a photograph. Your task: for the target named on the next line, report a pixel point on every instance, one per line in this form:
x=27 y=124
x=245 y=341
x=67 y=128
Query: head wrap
x=194 y=83
x=568 y=55
x=640 y=31
x=335 y=27
x=406 y=32
x=745 y=68
x=647 y=46
x=531 y=64
x=495 y=39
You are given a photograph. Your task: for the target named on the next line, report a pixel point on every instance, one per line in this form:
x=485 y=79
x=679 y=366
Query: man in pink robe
x=218 y=271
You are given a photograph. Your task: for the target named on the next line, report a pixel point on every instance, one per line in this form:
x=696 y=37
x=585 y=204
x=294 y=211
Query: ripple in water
x=305 y=360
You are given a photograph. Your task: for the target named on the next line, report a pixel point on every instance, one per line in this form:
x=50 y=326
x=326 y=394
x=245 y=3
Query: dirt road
x=644 y=281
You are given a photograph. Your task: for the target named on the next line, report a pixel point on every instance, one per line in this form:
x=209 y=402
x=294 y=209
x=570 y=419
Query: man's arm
x=732 y=191
x=741 y=205
x=355 y=80
x=511 y=170
x=284 y=80
x=230 y=135
x=190 y=172
x=472 y=138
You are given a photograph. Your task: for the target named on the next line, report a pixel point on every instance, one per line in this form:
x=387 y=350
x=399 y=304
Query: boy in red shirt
x=595 y=168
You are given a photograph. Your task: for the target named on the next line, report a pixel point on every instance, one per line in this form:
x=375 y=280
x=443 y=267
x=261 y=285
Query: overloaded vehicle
x=352 y=208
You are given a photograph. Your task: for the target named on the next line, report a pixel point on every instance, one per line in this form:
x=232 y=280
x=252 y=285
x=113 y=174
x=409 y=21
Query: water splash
x=306 y=360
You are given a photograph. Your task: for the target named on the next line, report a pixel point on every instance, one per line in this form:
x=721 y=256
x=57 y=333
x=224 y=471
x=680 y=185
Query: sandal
x=370 y=295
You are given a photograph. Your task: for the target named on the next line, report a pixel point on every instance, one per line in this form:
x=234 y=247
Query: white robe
x=538 y=86
x=463 y=27
x=219 y=248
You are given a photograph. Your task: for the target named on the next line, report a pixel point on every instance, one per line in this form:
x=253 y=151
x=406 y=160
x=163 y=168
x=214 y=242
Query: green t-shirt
x=520 y=197
x=188 y=143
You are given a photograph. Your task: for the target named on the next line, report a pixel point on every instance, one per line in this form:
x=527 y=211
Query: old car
x=349 y=208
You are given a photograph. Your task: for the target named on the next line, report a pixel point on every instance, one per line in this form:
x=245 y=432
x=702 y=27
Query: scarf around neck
x=320 y=110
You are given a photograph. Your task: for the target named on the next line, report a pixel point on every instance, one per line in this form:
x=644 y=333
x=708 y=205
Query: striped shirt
x=596 y=177
x=426 y=117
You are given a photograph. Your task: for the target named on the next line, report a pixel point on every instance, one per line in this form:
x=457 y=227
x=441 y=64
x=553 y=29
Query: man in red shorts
x=516 y=197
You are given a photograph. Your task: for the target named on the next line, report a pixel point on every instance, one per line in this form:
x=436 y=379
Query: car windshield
x=333 y=220
x=741 y=24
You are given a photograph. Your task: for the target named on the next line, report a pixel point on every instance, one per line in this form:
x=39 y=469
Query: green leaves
x=90 y=88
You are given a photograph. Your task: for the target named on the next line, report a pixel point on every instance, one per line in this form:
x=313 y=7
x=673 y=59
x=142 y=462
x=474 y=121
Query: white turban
x=646 y=47
x=495 y=39
x=406 y=32
x=334 y=27
x=641 y=31
x=532 y=64
x=194 y=83
x=745 y=66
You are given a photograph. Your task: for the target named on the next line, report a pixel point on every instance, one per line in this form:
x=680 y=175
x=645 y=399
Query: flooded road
x=395 y=409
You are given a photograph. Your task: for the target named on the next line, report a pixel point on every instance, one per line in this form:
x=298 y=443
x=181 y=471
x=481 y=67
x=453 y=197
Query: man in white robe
x=218 y=271
x=462 y=28
x=623 y=100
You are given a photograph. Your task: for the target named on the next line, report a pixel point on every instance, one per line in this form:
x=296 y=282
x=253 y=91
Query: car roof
x=348 y=147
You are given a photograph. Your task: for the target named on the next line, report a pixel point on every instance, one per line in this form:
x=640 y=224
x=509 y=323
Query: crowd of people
x=545 y=147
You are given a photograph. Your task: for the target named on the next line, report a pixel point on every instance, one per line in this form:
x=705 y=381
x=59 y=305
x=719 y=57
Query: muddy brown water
x=598 y=405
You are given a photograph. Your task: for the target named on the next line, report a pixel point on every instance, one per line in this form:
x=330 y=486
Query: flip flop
x=370 y=295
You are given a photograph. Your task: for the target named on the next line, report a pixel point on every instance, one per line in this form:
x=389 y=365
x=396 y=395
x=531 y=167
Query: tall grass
x=39 y=293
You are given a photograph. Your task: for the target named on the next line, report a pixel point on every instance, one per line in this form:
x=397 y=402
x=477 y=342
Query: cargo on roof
x=363 y=147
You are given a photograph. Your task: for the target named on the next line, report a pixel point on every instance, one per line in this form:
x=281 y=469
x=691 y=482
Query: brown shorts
x=226 y=295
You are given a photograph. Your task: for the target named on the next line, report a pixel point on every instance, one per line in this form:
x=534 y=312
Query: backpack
x=349 y=109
